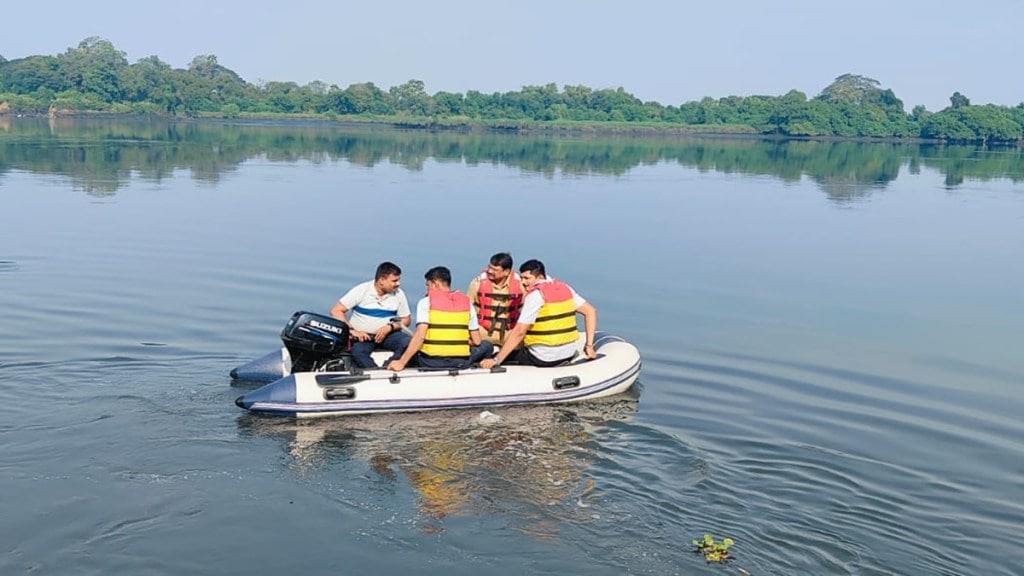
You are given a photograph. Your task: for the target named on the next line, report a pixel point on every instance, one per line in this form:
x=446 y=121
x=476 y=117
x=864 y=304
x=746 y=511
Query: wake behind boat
x=316 y=377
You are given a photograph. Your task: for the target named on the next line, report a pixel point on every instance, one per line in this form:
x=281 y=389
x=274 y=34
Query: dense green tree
x=207 y=85
x=317 y=88
x=958 y=100
x=991 y=123
x=28 y=75
x=338 y=101
x=284 y=97
x=230 y=110
x=448 y=103
x=974 y=124
x=1017 y=113
x=946 y=125
x=94 y=67
x=412 y=98
x=608 y=100
x=366 y=98
x=865 y=109
x=558 y=111
x=851 y=89
x=793 y=116
x=151 y=79
x=536 y=101
x=475 y=104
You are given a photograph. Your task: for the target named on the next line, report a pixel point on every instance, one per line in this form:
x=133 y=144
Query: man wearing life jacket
x=547 y=323
x=379 y=311
x=447 y=332
x=497 y=292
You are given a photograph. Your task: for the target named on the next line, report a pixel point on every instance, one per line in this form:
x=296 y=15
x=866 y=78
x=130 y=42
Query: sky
x=666 y=51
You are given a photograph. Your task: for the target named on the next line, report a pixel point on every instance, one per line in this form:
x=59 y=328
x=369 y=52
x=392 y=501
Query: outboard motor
x=313 y=340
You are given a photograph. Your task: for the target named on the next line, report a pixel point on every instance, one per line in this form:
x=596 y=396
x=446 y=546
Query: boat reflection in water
x=518 y=460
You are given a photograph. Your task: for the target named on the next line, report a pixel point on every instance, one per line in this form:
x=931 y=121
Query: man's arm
x=476 y=333
x=404 y=312
x=412 y=349
x=392 y=326
x=473 y=292
x=515 y=336
x=589 y=314
x=338 y=311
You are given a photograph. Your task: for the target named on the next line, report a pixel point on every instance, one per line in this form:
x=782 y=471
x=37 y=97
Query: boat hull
x=302 y=394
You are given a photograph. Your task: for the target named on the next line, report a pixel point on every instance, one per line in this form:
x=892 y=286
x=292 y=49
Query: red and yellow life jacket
x=447 y=324
x=556 y=321
x=498 y=312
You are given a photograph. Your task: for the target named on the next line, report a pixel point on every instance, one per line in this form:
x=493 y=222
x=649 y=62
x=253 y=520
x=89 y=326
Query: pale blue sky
x=671 y=52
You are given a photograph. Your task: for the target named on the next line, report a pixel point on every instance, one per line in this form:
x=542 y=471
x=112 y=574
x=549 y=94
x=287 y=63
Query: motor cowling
x=313 y=339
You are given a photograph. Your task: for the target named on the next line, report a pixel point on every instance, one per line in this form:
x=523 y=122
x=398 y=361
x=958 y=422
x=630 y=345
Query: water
x=830 y=333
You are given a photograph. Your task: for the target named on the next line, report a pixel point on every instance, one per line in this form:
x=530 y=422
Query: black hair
x=502 y=260
x=439 y=274
x=534 y=267
x=387 y=269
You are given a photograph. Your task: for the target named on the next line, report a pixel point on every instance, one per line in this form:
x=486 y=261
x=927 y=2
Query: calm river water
x=831 y=335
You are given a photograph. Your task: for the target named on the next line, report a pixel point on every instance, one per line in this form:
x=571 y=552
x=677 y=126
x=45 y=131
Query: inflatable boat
x=313 y=375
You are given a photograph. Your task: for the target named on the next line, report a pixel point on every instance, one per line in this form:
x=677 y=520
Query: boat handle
x=345 y=393
x=564 y=382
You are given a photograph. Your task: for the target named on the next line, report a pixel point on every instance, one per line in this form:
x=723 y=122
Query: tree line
x=95 y=76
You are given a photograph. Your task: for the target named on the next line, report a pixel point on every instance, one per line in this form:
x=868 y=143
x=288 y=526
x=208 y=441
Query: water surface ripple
x=831 y=374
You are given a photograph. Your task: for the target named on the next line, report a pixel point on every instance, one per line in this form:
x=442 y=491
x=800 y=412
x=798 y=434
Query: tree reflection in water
x=103 y=155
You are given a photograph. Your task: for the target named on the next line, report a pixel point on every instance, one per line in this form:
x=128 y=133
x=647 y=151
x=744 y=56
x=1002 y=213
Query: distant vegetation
x=96 y=77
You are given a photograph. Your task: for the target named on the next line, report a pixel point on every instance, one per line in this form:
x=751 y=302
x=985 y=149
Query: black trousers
x=522 y=357
x=476 y=354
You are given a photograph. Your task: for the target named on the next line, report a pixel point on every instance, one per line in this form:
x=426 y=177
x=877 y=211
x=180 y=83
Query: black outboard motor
x=313 y=340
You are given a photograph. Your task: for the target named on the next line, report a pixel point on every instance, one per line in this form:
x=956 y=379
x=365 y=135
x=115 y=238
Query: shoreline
x=524 y=127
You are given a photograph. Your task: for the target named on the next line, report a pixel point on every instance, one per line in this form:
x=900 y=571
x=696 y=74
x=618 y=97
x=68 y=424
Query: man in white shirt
x=547 y=323
x=374 y=306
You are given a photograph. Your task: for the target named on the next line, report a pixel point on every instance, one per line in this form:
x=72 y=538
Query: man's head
x=388 y=277
x=438 y=278
x=530 y=272
x=499 y=268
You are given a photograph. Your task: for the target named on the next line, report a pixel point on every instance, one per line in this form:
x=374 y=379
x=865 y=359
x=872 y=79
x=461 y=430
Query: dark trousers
x=476 y=354
x=522 y=357
x=396 y=342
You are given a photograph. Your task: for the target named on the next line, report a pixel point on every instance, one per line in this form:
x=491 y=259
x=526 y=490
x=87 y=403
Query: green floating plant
x=713 y=551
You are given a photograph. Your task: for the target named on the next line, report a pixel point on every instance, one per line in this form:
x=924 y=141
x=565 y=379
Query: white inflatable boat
x=315 y=377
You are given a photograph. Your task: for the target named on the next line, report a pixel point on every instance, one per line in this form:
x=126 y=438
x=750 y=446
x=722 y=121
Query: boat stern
x=277 y=397
x=265 y=368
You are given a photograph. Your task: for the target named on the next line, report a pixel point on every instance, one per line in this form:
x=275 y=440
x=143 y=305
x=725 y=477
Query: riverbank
x=457 y=124
x=469 y=125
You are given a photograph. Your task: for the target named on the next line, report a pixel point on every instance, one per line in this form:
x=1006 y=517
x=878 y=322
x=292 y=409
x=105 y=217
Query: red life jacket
x=499 y=312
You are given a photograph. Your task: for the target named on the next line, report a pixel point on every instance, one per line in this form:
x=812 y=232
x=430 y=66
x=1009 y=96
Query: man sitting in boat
x=374 y=305
x=497 y=293
x=447 y=332
x=547 y=323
